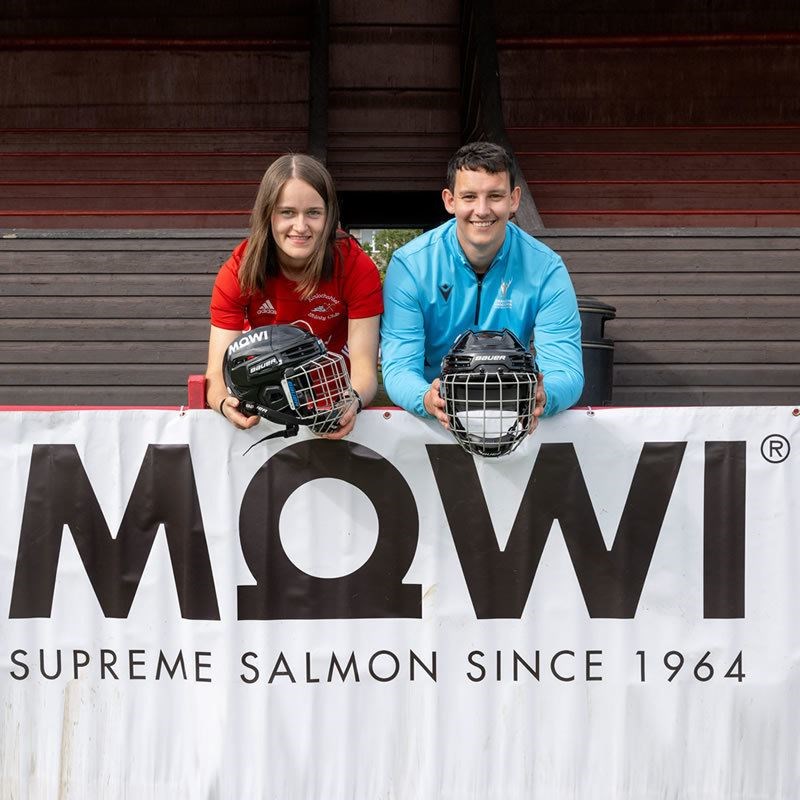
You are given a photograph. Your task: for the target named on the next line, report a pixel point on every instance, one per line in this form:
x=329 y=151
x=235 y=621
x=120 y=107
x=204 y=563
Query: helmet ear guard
x=285 y=375
x=488 y=382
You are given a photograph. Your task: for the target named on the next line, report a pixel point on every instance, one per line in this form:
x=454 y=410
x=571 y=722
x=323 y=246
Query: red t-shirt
x=354 y=291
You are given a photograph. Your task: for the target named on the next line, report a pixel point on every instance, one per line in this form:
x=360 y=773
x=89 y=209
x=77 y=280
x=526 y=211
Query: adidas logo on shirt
x=266 y=308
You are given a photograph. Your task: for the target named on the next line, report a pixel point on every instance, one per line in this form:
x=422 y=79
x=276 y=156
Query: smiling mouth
x=482 y=223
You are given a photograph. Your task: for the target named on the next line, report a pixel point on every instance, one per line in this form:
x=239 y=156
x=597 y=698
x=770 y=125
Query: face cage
x=318 y=392
x=489 y=414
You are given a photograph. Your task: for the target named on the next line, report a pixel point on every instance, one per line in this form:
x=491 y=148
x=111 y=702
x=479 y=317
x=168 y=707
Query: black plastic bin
x=598 y=352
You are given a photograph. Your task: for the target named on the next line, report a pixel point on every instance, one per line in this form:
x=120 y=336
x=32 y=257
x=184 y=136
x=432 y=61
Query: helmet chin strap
x=291 y=429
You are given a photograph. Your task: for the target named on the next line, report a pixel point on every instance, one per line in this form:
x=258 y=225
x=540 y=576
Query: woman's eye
x=315 y=212
x=286 y=213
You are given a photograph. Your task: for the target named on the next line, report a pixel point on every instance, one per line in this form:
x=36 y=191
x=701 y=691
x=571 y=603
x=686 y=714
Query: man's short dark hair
x=486 y=156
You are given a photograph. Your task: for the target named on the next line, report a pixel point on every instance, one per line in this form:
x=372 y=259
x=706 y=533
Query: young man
x=478 y=271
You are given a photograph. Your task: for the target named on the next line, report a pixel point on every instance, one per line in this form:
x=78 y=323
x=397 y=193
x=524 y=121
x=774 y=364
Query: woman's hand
x=346 y=423
x=362 y=343
x=229 y=408
x=216 y=391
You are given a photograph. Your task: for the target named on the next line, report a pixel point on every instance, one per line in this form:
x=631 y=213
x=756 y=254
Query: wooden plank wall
x=126 y=117
x=121 y=318
x=105 y=318
x=705 y=317
x=140 y=120
x=680 y=114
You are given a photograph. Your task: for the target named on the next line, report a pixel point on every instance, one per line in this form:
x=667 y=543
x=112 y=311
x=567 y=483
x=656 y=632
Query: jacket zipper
x=479 y=277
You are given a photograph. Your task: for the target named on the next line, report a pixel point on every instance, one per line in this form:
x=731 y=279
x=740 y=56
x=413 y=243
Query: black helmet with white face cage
x=285 y=374
x=488 y=383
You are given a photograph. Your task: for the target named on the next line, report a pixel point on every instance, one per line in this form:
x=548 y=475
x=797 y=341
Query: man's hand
x=230 y=410
x=541 y=400
x=434 y=404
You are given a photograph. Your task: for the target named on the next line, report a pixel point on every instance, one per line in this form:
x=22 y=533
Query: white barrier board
x=609 y=612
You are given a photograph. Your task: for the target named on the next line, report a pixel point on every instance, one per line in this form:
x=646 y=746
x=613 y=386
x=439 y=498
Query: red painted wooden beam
x=672 y=40
x=146 y=43
x=196 y=391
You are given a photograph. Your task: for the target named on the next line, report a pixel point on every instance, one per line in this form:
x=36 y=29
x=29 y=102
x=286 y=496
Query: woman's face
x=298 y=223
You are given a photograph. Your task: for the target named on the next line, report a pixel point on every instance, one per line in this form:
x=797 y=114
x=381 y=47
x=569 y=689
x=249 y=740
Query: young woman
x=296 y=267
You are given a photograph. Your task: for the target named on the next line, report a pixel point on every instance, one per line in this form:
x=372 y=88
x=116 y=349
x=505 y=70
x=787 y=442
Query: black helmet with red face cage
x=285 y=374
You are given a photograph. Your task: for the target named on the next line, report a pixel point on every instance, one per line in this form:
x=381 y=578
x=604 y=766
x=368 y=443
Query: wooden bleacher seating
x=674 y=177
x=125 y=179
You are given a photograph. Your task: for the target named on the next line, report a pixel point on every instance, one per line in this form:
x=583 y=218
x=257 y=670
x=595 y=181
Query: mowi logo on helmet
x=499 y=581
x=247 y=339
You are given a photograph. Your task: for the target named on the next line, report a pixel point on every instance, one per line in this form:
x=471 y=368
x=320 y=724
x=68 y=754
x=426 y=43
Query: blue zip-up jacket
x=432 y=295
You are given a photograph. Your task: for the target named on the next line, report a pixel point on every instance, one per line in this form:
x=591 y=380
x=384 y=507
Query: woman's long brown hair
x=261 y=256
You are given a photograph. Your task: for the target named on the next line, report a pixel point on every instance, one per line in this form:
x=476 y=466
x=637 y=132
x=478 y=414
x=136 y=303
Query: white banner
x=609 y=612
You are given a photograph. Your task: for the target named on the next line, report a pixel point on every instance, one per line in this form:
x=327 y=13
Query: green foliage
x=386 y=241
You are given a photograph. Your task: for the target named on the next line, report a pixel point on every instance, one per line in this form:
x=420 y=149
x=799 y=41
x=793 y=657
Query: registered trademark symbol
x=775 y=448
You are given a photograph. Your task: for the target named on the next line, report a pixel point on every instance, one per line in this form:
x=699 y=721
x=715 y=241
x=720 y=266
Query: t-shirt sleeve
x=361 y=282
x=228 y=308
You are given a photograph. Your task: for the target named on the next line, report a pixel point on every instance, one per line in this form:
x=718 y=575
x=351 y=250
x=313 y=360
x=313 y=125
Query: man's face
x=482 y=203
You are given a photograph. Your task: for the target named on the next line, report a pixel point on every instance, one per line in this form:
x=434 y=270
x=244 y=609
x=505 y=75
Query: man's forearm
x=406 y=389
